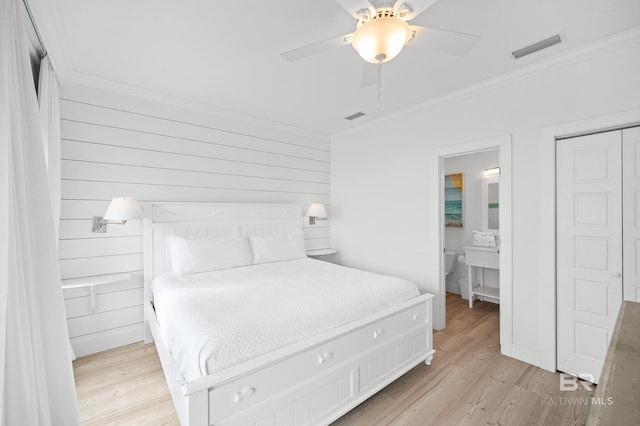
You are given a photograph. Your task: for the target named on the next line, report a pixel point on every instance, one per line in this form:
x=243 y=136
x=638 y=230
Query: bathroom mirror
x=490 y=199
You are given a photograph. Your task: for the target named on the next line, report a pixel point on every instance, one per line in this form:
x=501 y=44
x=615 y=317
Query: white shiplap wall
x=115 y=144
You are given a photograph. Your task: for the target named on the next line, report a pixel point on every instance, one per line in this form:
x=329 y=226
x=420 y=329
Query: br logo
x=571 y=383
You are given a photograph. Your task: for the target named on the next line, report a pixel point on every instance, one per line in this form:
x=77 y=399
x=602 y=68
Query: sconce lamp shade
x=317 y=210
x=123 y=209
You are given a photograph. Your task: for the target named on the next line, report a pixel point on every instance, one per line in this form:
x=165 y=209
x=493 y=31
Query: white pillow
x=192 y=255
x=277 y=247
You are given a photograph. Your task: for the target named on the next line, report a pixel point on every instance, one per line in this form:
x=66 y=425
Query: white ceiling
x=227 y=53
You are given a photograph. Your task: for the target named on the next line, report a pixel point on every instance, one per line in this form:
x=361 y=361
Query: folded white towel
x=483 y=239
x=482 y=234
x=484 y=243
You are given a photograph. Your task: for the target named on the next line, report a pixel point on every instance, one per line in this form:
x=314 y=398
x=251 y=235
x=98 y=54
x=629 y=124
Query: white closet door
x=589 y=249
x=631 y=213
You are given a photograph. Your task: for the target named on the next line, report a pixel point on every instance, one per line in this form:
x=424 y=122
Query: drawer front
x=233 y=397
x=485 y=259
x=389 y=327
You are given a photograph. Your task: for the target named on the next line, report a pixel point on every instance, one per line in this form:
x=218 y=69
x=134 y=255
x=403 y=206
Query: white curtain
x=49 y=102
x=36 y=375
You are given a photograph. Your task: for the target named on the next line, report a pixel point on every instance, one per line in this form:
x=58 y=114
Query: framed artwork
x=453 y=200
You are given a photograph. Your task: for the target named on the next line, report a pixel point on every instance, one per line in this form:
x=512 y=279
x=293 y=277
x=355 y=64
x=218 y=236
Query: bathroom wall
x=473 y=166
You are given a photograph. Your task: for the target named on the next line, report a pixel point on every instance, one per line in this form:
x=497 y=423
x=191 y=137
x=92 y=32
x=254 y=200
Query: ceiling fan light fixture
x=381 y=39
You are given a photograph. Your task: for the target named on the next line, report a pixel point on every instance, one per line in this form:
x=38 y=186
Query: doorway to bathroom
x=475 y=231
x=472 y=223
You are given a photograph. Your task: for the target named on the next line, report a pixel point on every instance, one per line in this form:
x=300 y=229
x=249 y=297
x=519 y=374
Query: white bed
x=335 y=362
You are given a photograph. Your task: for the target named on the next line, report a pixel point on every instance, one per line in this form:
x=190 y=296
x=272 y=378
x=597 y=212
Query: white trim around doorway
x=503 y=143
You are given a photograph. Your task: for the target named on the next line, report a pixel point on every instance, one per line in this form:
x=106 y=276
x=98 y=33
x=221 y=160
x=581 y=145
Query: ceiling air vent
x=535 y=47
x=354 y=116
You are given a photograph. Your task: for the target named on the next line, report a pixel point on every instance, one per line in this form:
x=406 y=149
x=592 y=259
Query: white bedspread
x=214 y=320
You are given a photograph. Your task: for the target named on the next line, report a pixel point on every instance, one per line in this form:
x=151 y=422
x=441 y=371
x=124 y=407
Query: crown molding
x=50 y=25
x=613 y=42
x=189 y=104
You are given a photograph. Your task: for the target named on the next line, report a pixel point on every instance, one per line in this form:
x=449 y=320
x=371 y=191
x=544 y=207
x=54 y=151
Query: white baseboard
x=109 y=339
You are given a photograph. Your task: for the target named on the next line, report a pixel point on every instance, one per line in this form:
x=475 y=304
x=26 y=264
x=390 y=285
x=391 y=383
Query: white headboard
x=208 y=220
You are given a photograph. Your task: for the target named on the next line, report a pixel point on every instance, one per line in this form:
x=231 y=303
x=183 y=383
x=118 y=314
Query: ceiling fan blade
x=369 y=75
x=316 y=48
x=409 y=9
x=355 y=7
x=443 y=41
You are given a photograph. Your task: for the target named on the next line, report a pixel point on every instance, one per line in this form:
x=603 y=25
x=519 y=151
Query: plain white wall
x=382 y=207
x=473 y=166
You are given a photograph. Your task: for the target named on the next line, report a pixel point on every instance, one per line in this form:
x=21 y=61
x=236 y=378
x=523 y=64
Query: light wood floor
x=469 y=382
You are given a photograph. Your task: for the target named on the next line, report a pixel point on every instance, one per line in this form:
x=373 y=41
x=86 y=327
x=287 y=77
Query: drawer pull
x=415 y=315
x=324 y=357
x=245 y=393
x=379 y=332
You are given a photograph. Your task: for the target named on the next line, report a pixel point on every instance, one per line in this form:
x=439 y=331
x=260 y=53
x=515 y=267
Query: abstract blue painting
x=453 y=199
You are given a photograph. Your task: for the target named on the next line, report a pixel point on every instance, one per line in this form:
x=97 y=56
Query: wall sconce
x=120 y=210
x=492 y=172
x=316 y=212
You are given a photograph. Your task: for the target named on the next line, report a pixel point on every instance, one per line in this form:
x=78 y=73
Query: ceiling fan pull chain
x=379 y=81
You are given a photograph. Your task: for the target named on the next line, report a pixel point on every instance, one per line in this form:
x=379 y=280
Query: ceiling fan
x=382 y=31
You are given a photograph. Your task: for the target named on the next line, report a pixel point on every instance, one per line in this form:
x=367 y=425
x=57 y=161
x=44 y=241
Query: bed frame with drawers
x=315 y=381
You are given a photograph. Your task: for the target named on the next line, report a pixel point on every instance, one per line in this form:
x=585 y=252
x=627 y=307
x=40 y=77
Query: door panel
x=589 y=249
x=631 y=213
